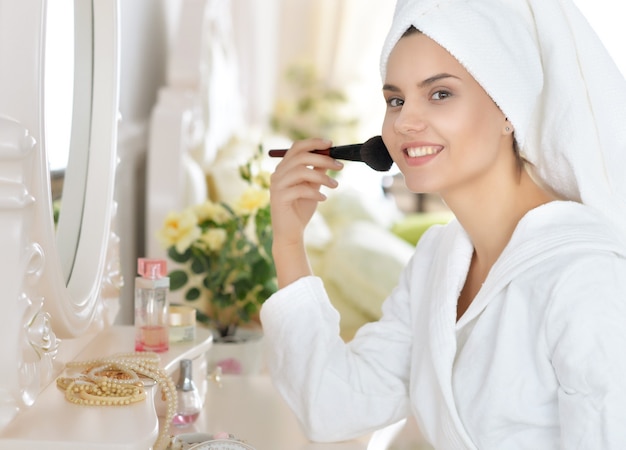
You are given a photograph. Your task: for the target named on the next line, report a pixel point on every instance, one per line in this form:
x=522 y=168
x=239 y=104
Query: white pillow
x=363 y=263
x=349 y=204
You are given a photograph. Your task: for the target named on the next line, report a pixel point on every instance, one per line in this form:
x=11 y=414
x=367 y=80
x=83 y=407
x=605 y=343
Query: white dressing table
x=54 y=423
x=248 y=407
x=251 y=409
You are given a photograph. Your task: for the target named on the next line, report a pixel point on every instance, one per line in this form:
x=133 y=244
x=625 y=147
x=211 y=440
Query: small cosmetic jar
x=182 y=323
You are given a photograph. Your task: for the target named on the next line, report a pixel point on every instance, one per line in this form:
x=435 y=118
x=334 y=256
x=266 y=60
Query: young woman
x=507 y=329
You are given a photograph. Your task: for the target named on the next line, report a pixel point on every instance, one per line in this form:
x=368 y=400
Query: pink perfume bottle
x=189 y=401
x=151 y=306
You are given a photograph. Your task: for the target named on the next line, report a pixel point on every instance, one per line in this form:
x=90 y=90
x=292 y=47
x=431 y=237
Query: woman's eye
x=441 y=95
x=394 y=102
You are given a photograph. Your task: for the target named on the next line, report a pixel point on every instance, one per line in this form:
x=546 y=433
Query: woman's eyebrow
x=390 y=87
x=440 y=76
x=427 y=82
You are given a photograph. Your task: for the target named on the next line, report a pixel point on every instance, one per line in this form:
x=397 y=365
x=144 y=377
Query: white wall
x=146 y=30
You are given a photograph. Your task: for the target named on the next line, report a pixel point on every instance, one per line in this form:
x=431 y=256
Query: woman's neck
x=490 y=216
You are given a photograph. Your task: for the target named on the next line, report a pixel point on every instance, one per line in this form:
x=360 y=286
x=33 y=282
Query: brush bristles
x=375 y=154
x=347 y=152
x=372 y=152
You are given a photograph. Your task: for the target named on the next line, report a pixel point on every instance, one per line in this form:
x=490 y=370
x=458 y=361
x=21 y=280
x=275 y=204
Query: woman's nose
x=410 y=119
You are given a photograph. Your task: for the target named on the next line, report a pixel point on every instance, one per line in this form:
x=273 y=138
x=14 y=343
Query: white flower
x=214 y=238
x=211 y=211
x=179 y=230
x=251 y=201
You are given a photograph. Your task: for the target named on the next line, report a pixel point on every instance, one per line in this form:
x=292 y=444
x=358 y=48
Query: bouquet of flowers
x=223 y=253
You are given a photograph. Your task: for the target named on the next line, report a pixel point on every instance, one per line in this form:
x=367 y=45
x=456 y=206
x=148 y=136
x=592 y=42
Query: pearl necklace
x=116 y=381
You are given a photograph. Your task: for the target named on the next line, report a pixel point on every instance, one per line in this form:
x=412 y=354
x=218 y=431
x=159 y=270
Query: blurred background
x=205 y=82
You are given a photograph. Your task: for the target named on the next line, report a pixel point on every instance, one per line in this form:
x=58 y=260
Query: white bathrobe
x=538 y=361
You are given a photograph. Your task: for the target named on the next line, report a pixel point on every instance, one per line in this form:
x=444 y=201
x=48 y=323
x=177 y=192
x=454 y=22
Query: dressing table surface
x=251 y=409
x=53 y=423
x=247 y=406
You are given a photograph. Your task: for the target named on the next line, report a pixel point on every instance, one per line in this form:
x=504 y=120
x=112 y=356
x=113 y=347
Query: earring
x=507 y=129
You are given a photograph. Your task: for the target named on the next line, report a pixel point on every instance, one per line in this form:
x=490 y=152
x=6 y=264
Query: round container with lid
x=182 y=323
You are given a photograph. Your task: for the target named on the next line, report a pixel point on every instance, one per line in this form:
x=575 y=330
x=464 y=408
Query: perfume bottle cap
x=151 y=269
x=185 y=380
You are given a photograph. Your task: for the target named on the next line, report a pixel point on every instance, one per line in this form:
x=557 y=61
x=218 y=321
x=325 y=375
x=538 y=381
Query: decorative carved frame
x=37 y=304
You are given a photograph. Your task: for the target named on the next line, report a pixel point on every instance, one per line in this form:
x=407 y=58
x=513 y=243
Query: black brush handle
x=351 y=152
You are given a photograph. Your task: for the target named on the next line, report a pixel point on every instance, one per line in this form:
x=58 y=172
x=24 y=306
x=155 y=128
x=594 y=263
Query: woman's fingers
x=301 y=152
x=296 y=184
x=302 y=179
x=305 y=170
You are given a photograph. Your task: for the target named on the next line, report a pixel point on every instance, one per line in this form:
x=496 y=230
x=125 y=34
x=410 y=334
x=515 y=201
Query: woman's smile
x=419 y=154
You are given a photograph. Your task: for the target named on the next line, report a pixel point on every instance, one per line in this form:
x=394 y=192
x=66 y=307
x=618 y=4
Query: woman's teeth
x=421 y=151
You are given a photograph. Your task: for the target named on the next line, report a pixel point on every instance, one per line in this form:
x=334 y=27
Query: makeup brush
x=372 y=152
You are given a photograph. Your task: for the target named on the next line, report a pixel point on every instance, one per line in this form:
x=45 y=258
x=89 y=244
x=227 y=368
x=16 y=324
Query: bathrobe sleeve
x=338 y=391
x=586 y=336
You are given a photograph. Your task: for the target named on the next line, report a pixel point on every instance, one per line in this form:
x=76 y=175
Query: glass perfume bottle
x=151 y=306
x=189 y=401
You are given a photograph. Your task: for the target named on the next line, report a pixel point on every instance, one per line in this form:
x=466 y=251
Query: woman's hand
x=294 y=195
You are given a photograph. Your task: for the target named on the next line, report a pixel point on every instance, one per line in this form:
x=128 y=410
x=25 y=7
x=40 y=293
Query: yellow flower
x=211 y=211
x=214 y=238
x=251 y=200
x=180 y=230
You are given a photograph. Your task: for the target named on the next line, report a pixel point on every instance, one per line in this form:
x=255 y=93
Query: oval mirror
x=67 y=116
x=80 y=101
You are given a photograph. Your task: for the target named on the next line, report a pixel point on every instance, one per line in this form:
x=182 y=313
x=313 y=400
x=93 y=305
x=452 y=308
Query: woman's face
x=441 y=128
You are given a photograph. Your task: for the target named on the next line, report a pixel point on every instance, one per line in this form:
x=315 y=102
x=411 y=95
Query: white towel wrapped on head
x=548 y=71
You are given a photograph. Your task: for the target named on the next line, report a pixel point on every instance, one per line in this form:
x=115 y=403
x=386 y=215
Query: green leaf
x=242 y=286
x=214 y=279
x=197 y=266
x=193 y=294
x=261 y=269
x=178 y=278
x=202 y=317
x=179 y=257
x=268 y=288
x=271 y=285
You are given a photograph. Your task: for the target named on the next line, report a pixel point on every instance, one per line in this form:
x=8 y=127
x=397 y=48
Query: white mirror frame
x=37 y=304
x=74 y=314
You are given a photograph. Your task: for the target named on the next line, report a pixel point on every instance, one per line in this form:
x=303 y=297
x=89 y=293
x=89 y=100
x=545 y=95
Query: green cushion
x=412 y=226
